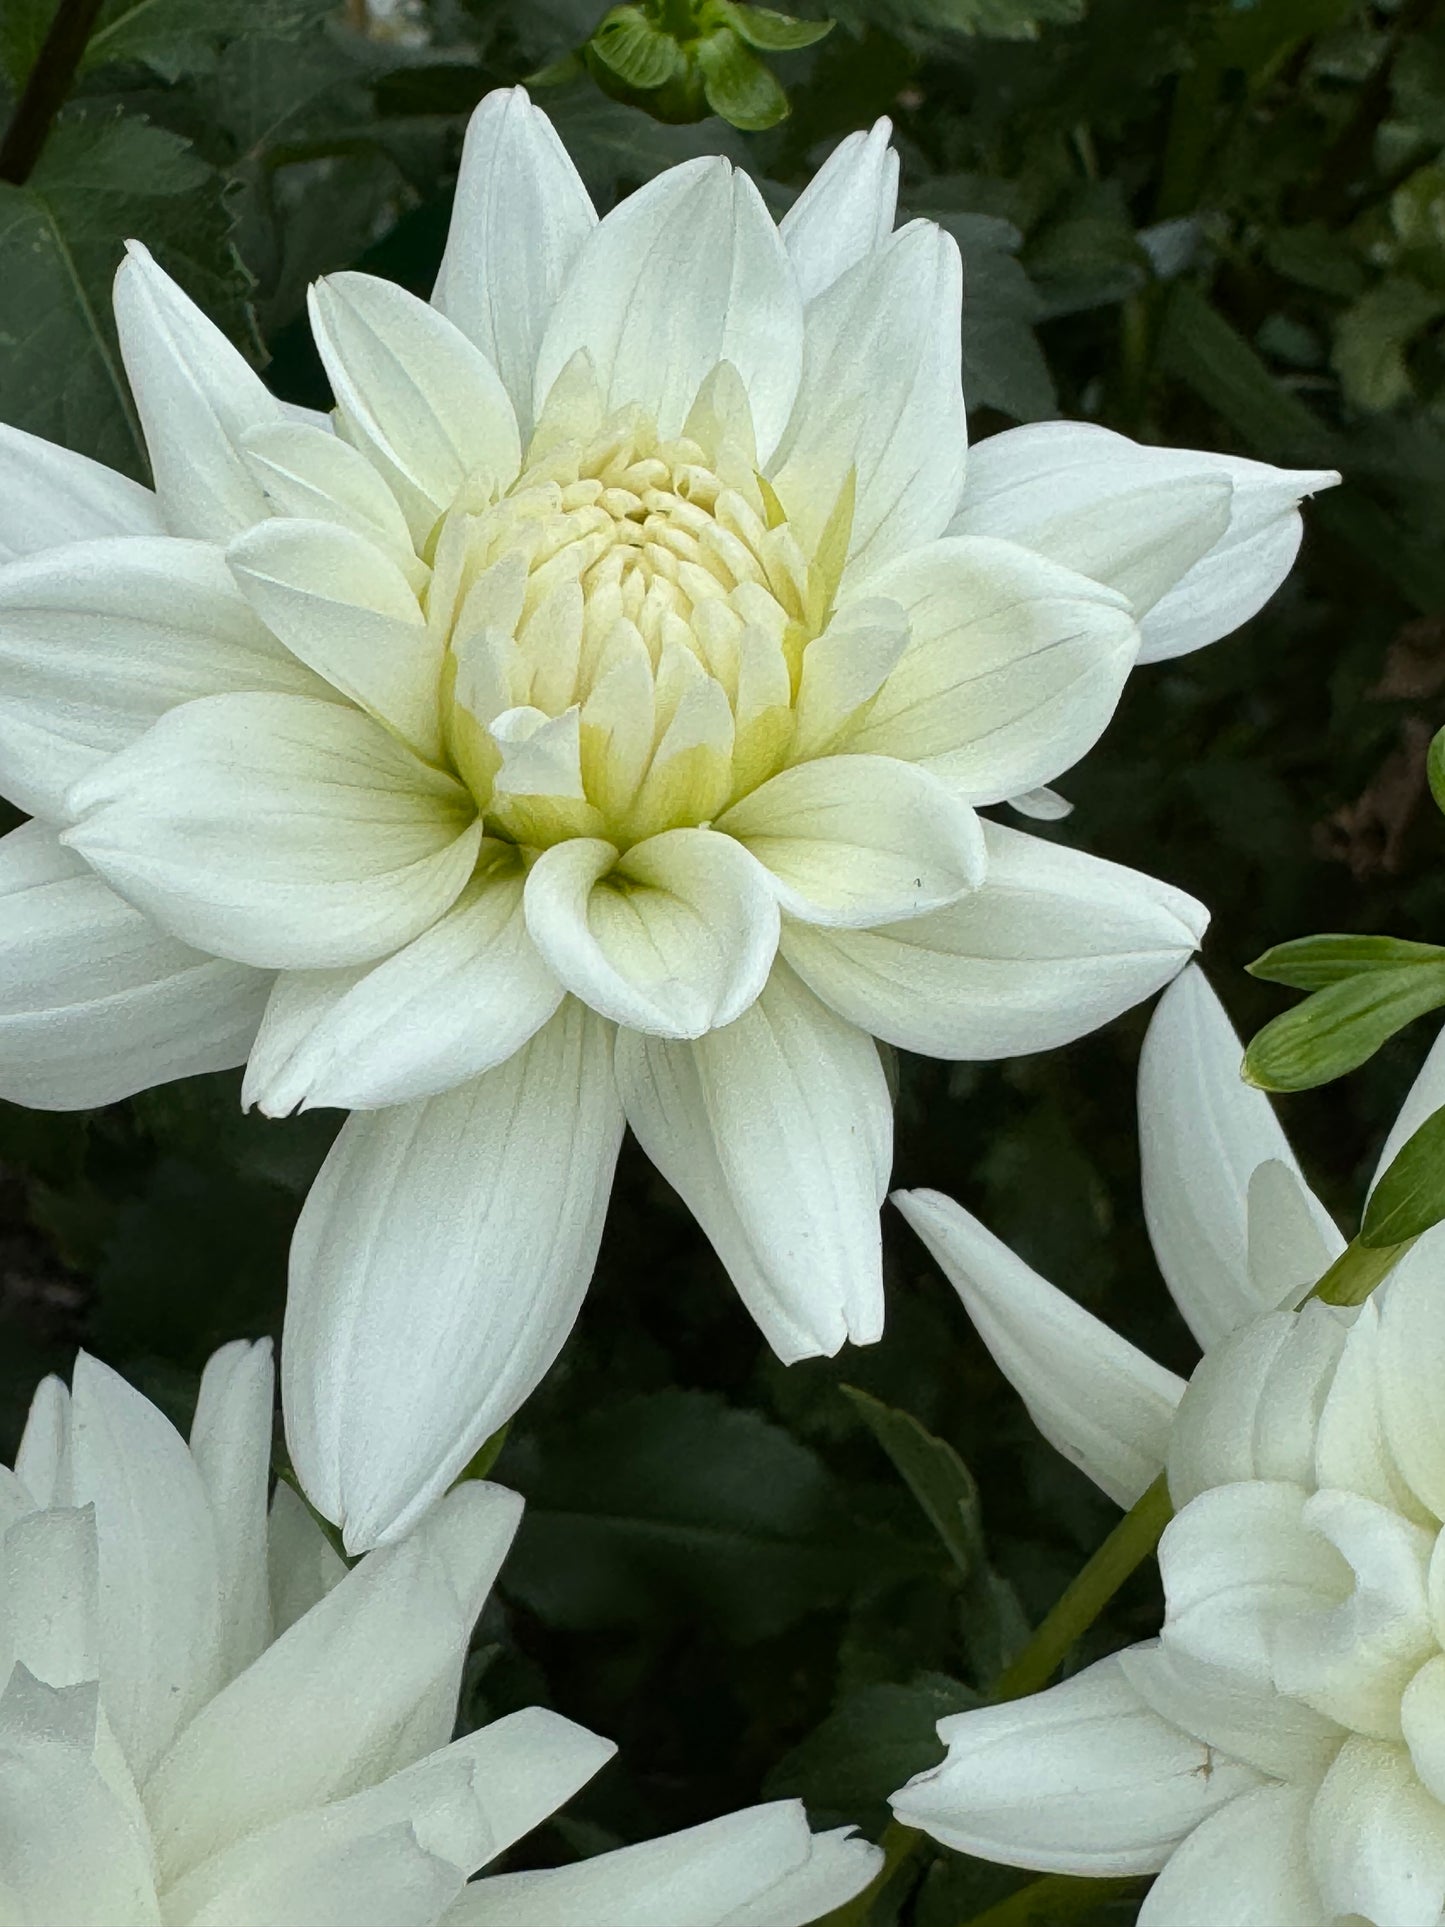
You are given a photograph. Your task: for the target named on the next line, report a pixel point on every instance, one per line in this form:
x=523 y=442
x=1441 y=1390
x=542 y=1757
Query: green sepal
x=763 y=27
x=635 y=50
x=1410 y=1197
x=738 y=87
x=1312 y=963
x=1339 y=1027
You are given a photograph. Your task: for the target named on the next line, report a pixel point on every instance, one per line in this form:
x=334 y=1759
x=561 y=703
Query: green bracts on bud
x=680 y=60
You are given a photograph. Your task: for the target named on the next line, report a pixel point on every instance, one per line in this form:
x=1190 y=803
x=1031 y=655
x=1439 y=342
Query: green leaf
x=1435 y=768
x=177 y=37
x=1003 y=365
x=736 y=83
x=762 y=27
x=1338 y=1028
x=635 y=50
x=1311 y=963
x=933 y=1472
x=676 y=1503
x=1373 y=337
x=874 y=1739
x=1410 y=1197
x=100 y=179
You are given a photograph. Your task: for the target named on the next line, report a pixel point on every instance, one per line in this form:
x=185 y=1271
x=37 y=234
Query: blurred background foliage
x=1217 y=223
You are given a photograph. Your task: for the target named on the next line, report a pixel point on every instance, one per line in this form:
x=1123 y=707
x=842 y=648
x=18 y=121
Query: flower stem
x=1085 y=1597
x=1055 y=1898
x=46 y=88
x=1357 y=1270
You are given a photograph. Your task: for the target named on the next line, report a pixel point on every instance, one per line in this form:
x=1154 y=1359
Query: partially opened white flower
x=1279 y=1751
x=206 y=1719
x=591 y=729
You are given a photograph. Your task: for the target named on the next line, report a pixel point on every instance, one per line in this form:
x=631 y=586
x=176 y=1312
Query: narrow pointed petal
x=1247 y=1866
x=96 y=1001
x=1202 y=1134
x=1095 y=1397
x=459 y=999
x=839 y=1866
x=777 y=1134
x=519 y=218
x=278 y=831
x=881 y=392
x=857 y=840
x=1081 y=1779
x=99 y=639
x=50 y=495
x=529 y=1764
x=685 y=273
x=1015 y=667
x=1053 y=944
x=313 y=475
x=845 y=212
x=231 y=1445
x=196 y=398
x=437 y=1268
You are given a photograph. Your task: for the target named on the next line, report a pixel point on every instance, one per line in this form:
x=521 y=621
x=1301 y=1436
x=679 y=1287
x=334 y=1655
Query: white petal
x=437 y=1268
x=777 y=1134
x=1083 y=1779
x=1237 y=1712
x=839 y=1865
x=845 y=212
x=96 y=1001
x=50 y=495
x=1422 y=1721
x=1247 y=1866
x=685 y=273
x=1410 y=1361
x=42 y=1463
x=159 y=1574
x=1422 y=1100
x=1095 y=1397
x=1014 y=670
x=312 y=474
x=303 y=1565
x=1053 y=944
x=345 y=609
x=319 y=1875
x=196 y=397
x=1203 y=1132
x=843 y=668
x=520 y=215
x=458 y=999
x=99 y=639
x=277 y=831
x=231 y=1444
x=50 y=1598
x=428 y=407
x=1351 y=1450
x=881 y=392
x=528 y=1765
x=1377 y=1838
x=697 y=1878
x=674 y=938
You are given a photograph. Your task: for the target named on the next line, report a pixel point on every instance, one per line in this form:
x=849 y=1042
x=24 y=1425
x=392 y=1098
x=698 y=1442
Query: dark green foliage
x=1197 y=221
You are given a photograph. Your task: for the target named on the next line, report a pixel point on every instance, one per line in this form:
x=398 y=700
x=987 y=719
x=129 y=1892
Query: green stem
x=1057 y=1897
x=46 y=88
x=899 y=1844
x=1085 y=1597
x=1357 y=1271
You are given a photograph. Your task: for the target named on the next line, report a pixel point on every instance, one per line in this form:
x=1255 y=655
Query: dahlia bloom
x=591 y=729
x=207 y=1718
x=1277 y=1755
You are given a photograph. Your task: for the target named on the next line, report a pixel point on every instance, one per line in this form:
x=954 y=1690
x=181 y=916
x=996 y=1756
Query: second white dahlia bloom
x=590 y=730
x=207 y=1720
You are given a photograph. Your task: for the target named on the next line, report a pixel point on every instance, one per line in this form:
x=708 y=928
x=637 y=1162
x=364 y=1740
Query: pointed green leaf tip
x=1410 y=1197
x=1342 y=1025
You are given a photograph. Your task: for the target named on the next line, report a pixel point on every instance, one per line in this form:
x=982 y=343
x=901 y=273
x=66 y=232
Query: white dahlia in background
x=1279 y=1751
x=590 y=730
x=207 y=1720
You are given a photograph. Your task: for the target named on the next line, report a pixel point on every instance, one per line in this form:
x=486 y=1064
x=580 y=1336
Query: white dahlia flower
x=589 y=730
x=1279 y=1751
x=207 y=1720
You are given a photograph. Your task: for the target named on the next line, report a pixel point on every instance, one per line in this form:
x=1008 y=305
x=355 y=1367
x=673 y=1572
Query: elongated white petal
x=529 y=1764
x=427 y=406
x=698 y=1878
x=345 y=609
x=302 y=1564
x=314 y=1871
x=1199 y=542
x=50 y=1620
x=1203 y=1132
x=685 y=273
x=675 y=938
x=845 y=212
x=1015 y=666
x=1352 y=1453
x=839 y=1865
x=1234 y=1710
x=99 y=639
x=1377 y=1838
x=1081 y=1779
x=1246 y=1866
x=196 y=397
x=437 y=1268
x=50 y=495
x=455 y=1001
x=159 y=1569
x=881 y=392
x=1424 y=1097
x=312 y=474
x=97 y=1002
x=844 y=668
x=777 y=1134
x=856 y=840
x=1095 y=1397
x=520 y=215
x=278 y=831
x=1053 y=944
x=42 y=1462
x=1410 y=1358
x=231 y=1445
